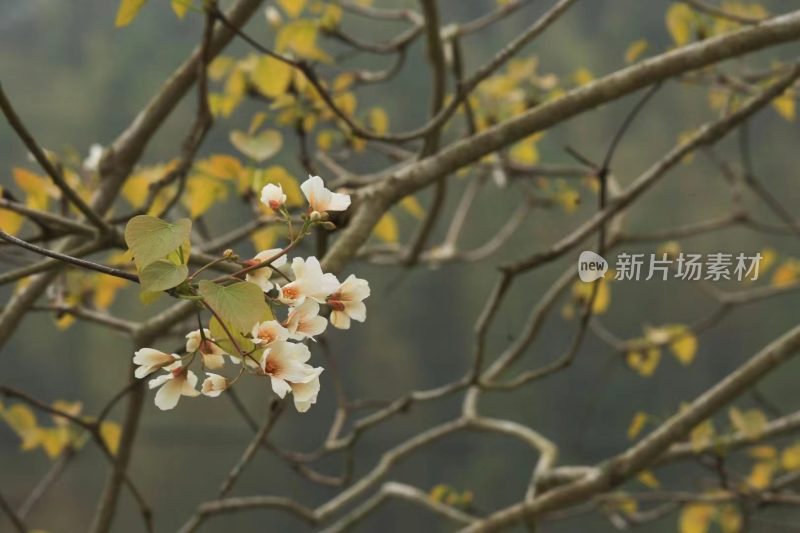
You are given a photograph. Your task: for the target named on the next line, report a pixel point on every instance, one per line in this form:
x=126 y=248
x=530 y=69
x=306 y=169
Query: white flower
x=273 y=16
x=92 y=161
x=309 y=282
x=285 y=363
x=214 y=384
x=149 y=360
x=304 y=321
x=305 y=394
x=210 y=351
x=346 y=302
x=272 y=196
x=177 y=382
x=261 y=276
x=321 y=199
x=266 y=333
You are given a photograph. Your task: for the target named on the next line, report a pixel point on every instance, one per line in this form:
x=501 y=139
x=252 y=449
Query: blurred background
x=76 y=80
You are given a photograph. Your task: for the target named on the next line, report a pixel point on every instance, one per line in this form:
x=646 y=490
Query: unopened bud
x=227 y=253
x=315 y=216
x=329 y=225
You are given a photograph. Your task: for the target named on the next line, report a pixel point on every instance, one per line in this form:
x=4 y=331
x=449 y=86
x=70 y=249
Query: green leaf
x=128 y=9
x=221 y=337
x=241 y=304
x=162 y=275
x=257 y=147
x=151 y=238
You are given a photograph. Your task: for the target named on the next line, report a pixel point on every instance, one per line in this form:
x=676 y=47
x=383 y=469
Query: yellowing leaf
x=750 y=423
x=38 y=189
x=696 y=518
x=10 y=221
x=271 y=76
x=412 y=206
x=644 y=362
x=21 y=419
x=763 y=453
x=702 y=435
x=790 y=457
x=128 y=9
x=386 y=229
x=525 y=151
x=379 y=120
x=647 y=479
x=292 y=7
x=300 y=37
x=637 y=424
x=730 y=519
x=786 y=106
x=635 y=50
x=788 y=273
x=111 y=433
x=265 y=238
x=680 y=19
x=761 y=475
x=181 y=7
x=257 y=147
x=105 y=289
x=583 y=291
x=582 y=76
x=54 y=439
x=202 y=192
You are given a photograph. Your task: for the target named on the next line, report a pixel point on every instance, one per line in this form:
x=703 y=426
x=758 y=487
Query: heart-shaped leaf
x=240 y=305
x=257 y=147
x=162 y=275
x=151 y=238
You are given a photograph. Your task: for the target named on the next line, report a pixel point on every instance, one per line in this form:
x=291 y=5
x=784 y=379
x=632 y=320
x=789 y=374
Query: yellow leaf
x=38 y=189
x=645 y=363
x=583 y=291
x=679 y=21
x=696 y=517
x=128 y=9
x=265 y=238
x=785 y=105
x=181 y=7
x=111 y=433
x=702 y=435
x=224 y=167
x=220 y=67
x=763 y=453
x=54 y=440
x=412 y=206
x=300 y=37
x=10 y=221
x=582 y=76
x=750 y=423
x=761 y=475
x=525 y=151
x=202 y=192
x=730 y=520
x=271 y=76
x=568 y=198
x=635 y=50
x=637 y=424
x=790 y=457
x=136 y=189
x=105 y=290
x=647 y=479
x=292 y=7
x=331 y=16
x=386 y=229
x=343 y=81
x=787 y=273
x=21 y=419
x=768 y=256
x=379 y=120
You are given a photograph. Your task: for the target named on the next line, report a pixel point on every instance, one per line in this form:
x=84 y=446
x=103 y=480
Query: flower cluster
x=275 y=349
